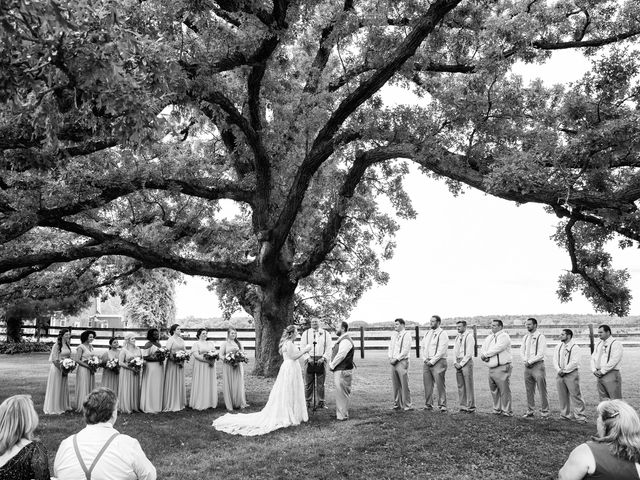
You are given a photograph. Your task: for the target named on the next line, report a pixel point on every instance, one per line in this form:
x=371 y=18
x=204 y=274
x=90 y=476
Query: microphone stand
x=315 y=375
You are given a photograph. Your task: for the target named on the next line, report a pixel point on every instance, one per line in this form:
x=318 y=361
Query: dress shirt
x=122 y=460
x=463 y=347
x=497 y=347
x=324 y=344
x=343 y=349
x=607 y=356
x=566 y=357
x=533 y=347
x=400 y=345
x=434 y=345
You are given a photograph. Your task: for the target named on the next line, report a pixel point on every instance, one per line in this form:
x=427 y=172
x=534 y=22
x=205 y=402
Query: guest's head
x=435 y=322
x=175 y=330
x=566 y=335
x=398 y=324
x=130 y=339
x=100 y=406
x=87 y=336
x=113 y=343
x=532 y=324
x=461 y=325
x=18 y=420
x=618 y=424
x=153 y=334
x=604 y=332
x=232 y=336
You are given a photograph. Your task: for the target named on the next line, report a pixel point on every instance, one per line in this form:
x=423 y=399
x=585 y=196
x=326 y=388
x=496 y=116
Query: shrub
x=12 y=348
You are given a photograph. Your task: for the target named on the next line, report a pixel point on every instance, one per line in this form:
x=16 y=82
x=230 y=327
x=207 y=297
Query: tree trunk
x=273 y=313
x=14 y=328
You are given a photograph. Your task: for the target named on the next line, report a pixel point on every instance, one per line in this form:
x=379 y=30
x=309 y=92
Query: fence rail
x=365 y=338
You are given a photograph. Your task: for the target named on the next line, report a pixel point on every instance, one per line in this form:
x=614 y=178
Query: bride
x=286 y=405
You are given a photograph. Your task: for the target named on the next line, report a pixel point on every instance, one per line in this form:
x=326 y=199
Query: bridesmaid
x=152 y=375
x=85 y=376
x=175 y=392
x=109 y=377
x=56 y=399
x=232 y=377
x=204 y=390
x=129 y=382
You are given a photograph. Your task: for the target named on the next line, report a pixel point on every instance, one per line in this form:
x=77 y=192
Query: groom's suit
x=342 y=366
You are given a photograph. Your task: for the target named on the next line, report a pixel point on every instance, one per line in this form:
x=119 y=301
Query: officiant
x=315 y=363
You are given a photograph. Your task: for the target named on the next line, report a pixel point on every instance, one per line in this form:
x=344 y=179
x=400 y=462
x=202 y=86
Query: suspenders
x=87 y=472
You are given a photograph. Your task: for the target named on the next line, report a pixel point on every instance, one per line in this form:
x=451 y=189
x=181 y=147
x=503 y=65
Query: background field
x=376 y=443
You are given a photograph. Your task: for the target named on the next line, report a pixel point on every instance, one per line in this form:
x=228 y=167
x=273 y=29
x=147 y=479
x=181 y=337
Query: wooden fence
x=365 y=338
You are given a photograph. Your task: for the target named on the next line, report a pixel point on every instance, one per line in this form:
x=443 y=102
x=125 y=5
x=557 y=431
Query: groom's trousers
x=342 y=381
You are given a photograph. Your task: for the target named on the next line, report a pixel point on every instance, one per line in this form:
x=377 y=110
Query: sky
x=468 y=255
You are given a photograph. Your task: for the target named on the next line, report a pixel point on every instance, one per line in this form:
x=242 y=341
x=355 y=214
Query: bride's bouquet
x=136 y=364
x=180 y=357
x=94 y=363
x=236 y=358
x=67 y=365
x=112 y=365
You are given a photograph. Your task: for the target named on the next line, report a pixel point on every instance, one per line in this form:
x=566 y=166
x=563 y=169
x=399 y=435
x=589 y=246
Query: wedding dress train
x=286 y=405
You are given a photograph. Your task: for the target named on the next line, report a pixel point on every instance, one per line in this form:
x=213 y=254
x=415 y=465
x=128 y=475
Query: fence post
x=591 y=342
x=113 y=333
x=417 y=341
x=361 y=341
x=475 y=340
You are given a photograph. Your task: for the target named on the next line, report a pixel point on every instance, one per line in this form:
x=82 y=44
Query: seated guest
x=21 y=457
x=614 y=454
x=98 y=451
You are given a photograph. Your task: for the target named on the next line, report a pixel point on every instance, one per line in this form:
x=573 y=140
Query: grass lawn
x=375 y=443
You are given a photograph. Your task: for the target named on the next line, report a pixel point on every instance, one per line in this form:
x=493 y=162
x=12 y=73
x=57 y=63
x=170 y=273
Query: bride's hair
x=288 y=334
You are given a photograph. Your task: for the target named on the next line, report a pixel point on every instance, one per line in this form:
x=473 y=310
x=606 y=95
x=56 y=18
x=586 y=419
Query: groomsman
x=434 y=351
x=566 y=360
x=315 y=361
x=605 y=365
x=496 y=353
x=399 y=359
x=342 y=367
x=463 y=353
x=534 y=346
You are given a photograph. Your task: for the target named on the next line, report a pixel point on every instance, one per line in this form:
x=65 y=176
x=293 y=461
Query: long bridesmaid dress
x=56 y=398
x=110 y=379
x=232 y=380
x=204 y=389
x=152 y=384
x=129 y=384
x=174 y=397
x=85 y=378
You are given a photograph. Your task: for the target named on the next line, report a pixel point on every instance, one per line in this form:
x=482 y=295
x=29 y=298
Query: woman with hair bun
x=85 y=375
x=614 y=453
x=286 y=405
x=232 y=375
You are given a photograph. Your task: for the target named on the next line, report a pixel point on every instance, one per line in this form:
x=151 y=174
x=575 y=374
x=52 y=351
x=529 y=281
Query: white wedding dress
x=286 y=405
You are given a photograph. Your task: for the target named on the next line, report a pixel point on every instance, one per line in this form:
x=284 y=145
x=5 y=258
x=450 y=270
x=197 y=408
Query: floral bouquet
x=211 y=355
x=94 y=363
x=112 y=365
x=235 y=358
x=67 y=365
x=180 y=357
x=136 y=364
x=162 y=354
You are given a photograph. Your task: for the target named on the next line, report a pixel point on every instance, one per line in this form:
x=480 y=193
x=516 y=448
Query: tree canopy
x=126 y=125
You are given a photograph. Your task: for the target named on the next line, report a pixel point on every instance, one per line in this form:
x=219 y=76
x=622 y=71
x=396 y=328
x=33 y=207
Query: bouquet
x=112 y=365
x=67 y=365
x=94 y=363
x=180 y=357
x=162 y=354
x=211 y=355
x=235 y=358
x=136 y=364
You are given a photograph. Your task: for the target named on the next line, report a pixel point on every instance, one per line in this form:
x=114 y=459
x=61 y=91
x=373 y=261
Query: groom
x=342 y=367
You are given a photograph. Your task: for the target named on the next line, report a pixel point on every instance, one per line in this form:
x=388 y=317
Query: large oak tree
x=124 y=125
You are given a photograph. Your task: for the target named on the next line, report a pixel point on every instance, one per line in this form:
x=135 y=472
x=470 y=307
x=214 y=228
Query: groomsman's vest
x=347 y=362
